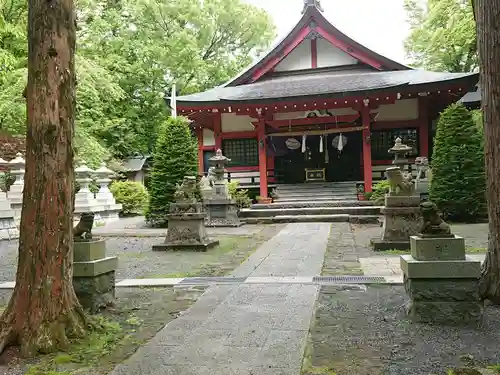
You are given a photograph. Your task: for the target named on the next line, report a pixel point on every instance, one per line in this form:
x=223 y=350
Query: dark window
x=242 y=152
x=383 y=140
x=206 y=162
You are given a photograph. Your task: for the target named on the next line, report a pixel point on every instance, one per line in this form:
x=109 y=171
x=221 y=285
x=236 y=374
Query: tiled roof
x=134 y=164
x=323 y=83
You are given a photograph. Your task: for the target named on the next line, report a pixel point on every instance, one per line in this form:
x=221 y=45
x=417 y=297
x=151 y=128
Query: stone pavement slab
x=390 y=267
x=246 y=328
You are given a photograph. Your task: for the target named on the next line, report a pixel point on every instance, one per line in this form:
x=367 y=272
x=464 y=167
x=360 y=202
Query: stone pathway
x=247 y=329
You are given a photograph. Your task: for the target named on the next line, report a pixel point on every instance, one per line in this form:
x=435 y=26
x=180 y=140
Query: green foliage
x=129 y=54
x=239 y=195
x=380 y=189
x=6 y=181
x=458 y=176
x=443 y=35
x=132 y=195
x=175 y=156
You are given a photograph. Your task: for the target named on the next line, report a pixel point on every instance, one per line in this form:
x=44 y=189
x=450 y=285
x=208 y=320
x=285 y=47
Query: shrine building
x=319 y=107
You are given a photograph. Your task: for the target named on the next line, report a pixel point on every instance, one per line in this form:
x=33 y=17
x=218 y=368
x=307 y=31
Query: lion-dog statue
x=83 y=230
x=400 y=183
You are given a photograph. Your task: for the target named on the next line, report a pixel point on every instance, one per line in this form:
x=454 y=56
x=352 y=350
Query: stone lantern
x=222 y=211
x=218 y=167
x=400 y=150
x=16 y=166
x=84 y=199
x=104 y=196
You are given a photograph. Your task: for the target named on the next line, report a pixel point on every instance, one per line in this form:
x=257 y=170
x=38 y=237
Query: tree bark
x=487 y=14
x=44 y=310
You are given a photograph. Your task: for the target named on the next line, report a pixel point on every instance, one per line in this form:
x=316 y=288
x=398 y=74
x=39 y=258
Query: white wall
x=329 y=55
x=234 y=123
x=299 y=58
x=208 y=137
x=406 y=109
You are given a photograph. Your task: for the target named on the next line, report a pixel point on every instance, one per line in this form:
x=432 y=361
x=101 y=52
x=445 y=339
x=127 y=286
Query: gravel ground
x=356 y=332
x=137 y=260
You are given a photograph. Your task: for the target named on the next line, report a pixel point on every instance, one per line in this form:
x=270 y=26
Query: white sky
x=381 y=28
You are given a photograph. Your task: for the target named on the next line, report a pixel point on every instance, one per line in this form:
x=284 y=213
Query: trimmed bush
x=132 y=195
x=175 y=156
x=380 y=189
x=240 y=196
x=458 y=176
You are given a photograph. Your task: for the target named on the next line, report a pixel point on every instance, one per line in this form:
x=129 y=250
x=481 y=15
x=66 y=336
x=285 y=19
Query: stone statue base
x=186 y=231
x=222 y=213
x=401 y=221
x=442 y=282
x=93 y=274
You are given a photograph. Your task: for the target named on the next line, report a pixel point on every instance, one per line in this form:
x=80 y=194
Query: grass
x=105 y=336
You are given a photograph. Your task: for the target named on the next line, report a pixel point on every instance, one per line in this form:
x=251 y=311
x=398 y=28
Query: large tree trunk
x=487 y=14
x=44 y=310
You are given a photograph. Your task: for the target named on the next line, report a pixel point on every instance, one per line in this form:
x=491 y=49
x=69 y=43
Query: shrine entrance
x=327 y=162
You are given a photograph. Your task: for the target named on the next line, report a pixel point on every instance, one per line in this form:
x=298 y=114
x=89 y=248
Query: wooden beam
x=318 y=132
x=311 y=121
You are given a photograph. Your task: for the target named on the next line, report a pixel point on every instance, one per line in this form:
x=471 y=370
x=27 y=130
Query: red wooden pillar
x=218 y=131
x=199 y=134
x=262 y=141
x=423 y=116
x=367 y=149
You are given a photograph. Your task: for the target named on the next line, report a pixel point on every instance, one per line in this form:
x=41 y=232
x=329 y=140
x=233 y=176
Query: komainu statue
x=212 y=176
x=83 y=230
x=400 y=183
x=432 y=225
x=186 y=192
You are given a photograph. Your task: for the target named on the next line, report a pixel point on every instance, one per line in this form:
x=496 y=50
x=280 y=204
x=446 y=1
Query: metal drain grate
x=213 y=280
x=348 y=279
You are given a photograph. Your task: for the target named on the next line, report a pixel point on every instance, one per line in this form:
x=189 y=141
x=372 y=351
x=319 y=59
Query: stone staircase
x=314 y=202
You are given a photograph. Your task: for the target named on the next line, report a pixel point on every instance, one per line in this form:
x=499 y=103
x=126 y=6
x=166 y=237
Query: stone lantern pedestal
x=222 y=211
x=93 y=270
x=186 y=222
x=401 y=213
x=441 y=281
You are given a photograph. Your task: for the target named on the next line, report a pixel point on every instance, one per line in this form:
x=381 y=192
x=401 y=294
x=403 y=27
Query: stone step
x=355 y=219
x=368 y=210
x=317 y=184
x=313 y=194
x=315 y=203
x=317 y=192
x=311 y=197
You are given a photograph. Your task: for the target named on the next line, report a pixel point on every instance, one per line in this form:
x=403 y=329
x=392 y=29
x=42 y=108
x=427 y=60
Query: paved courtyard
x=244 y=329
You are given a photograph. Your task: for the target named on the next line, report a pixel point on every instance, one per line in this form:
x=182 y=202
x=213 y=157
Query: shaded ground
x=357 y=332
x=137 y=316
x=137 y=260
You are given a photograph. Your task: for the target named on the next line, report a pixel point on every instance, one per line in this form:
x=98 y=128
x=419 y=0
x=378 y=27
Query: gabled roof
x=311 y=24
x=374 y=72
